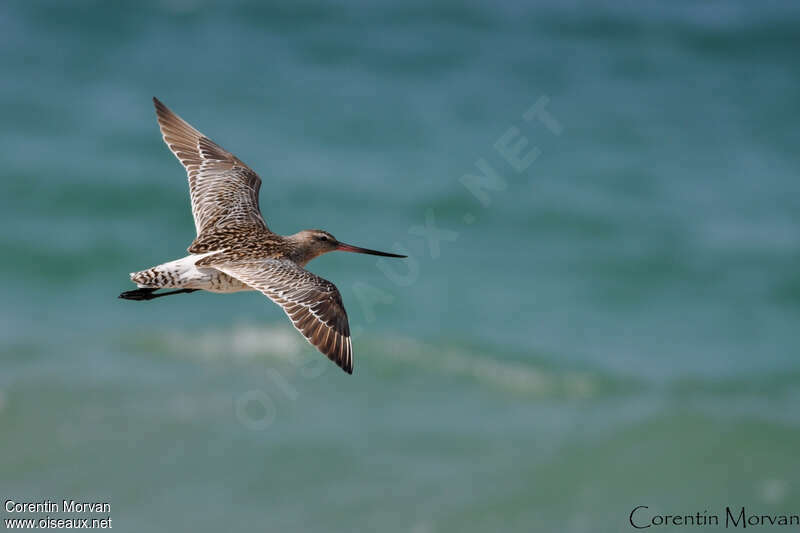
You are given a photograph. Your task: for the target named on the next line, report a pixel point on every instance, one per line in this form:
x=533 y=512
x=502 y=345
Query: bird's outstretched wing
x=313 y=304
x=224 y=191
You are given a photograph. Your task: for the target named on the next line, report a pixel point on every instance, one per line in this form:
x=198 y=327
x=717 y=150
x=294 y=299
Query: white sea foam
x=772 y=491
x=278 y=341
x=242 y=341
x=517 y=377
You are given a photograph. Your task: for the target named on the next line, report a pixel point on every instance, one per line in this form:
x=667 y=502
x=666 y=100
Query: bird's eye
x=322 y=238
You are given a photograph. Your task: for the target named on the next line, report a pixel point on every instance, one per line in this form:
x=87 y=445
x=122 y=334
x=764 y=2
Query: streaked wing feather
x=223 y=190
x=312 y=303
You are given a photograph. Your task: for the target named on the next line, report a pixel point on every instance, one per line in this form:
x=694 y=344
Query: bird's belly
x=184 y=274
x=213 y=280
x=216 y=281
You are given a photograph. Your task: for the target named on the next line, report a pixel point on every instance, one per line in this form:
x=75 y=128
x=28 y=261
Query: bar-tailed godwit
x=235 y=251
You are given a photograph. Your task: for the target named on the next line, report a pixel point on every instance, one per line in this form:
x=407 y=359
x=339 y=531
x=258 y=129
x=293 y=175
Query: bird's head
x=314 y=242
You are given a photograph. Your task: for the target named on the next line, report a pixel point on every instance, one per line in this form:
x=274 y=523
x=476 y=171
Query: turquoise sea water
x=617 y=327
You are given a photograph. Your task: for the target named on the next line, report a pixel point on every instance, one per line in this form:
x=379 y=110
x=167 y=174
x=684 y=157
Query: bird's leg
x=148 y=294
x=138 y=294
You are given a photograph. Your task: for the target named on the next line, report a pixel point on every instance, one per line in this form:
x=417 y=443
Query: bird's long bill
x=348 y=248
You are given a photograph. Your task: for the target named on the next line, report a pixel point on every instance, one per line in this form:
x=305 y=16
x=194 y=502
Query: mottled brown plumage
x=235 y=250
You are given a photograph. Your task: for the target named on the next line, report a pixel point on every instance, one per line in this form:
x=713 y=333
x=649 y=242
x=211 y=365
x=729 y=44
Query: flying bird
x=235 y=250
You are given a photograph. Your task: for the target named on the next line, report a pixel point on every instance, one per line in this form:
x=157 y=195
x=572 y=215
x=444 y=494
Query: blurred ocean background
x=618 y=327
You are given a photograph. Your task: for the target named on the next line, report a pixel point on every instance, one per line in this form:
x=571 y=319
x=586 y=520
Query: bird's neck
x=300 y=250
